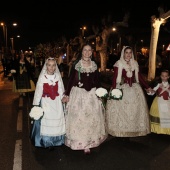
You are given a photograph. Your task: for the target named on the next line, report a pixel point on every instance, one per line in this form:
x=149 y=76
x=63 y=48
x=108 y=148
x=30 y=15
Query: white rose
x=36 y=113
x=116 y=93
x=101 y=92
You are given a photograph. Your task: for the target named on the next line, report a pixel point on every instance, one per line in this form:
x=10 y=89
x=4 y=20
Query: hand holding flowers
x=36 y=113
x=102 y=94
x=116 y=94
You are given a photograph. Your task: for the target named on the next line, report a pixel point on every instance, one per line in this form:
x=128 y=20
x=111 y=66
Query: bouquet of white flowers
x=36 y=113
x=116 y=94
x=102 y=94
x=13 y=71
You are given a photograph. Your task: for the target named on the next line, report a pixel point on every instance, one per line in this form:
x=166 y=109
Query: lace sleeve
x=38 y=93
x=60 y=89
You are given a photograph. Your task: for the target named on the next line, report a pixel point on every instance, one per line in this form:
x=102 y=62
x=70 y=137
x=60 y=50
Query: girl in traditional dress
x=160 y=108
x=50 y=130
x=85 y=119
x=128 y=117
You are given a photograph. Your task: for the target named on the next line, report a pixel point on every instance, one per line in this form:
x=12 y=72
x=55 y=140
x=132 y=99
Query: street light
x=12 y=43
x=83 y=29
x=119 y=44
x=5 y=32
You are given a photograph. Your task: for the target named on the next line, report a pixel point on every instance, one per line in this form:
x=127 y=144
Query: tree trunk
x=101 y=46
x=156 y=22
x=153 y=46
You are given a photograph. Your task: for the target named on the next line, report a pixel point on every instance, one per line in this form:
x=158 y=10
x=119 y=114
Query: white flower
x=36 y=113
x=13 y=71
x=116 y=93
x=101 y=92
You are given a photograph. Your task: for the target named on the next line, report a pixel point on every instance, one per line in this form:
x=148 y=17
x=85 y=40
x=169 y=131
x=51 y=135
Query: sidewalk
x=4 y=82
x=1 y=74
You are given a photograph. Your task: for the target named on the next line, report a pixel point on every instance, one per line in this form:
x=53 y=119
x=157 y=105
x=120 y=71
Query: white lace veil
x=122 y=55
x=123 y=64
x=57 y=72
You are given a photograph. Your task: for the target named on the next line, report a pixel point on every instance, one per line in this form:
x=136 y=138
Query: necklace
x=85 y=60
x=165 y=84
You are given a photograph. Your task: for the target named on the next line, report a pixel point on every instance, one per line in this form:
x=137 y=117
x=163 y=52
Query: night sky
x=46 y=21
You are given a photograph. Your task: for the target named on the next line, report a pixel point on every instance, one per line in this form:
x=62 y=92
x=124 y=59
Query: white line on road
x=20 y=102
x=18 y=155
x=19 y=121
x=18 y=145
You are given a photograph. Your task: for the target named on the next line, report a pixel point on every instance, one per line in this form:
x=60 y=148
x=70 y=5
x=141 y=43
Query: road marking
x=18 y=145
x=19 y=121
x=18 y=155
x=20 y=102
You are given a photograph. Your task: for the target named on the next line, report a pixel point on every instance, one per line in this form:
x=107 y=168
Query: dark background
x=46 y=21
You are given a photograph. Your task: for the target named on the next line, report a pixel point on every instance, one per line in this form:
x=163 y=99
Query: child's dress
x=50 y=130
x=160 y=109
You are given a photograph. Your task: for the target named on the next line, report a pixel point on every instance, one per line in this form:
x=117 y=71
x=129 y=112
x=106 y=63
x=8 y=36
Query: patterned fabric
x=160 y=108
x=22 y=81
x=128 y=117
x=85 y=121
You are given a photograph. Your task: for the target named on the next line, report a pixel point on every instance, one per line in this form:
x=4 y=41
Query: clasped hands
x=65 y=99
x=150 y=90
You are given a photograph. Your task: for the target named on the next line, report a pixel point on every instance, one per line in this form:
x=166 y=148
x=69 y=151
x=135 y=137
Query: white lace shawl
x=121 y=64
x=42 y=79
x=89 y=69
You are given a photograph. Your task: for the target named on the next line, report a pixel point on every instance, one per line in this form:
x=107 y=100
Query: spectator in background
x=24 y=77
x=70 y=64
x=61 y=64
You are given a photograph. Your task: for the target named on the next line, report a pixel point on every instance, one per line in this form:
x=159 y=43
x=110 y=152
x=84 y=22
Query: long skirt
x=160 y=118
x=128 y=117
x=50 y=129
x=39 y=140
x=23 y=84
x=85 y=120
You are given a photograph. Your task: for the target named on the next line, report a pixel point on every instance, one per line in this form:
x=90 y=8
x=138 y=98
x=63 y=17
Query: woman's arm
x=115 y=74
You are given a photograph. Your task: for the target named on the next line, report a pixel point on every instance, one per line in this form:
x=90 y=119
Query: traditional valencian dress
x=128 y=117
x=50 y=130
x=85 y=119
x=160 y=109
x=23 y=79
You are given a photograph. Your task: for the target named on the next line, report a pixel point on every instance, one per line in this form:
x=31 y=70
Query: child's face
x=164 y=76
x=51 y=66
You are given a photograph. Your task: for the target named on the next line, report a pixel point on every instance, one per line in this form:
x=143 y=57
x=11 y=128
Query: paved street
x=150 y=152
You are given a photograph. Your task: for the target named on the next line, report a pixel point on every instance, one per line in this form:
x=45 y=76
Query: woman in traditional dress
x=128 y=117
x=85 y=119
x=23 y=81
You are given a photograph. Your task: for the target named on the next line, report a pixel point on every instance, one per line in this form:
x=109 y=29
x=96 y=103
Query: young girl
x=50 y=130
x=160 y=108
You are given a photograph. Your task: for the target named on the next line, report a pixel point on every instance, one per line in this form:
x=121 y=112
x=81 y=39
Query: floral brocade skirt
x=128 y=117
x=85 y=120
